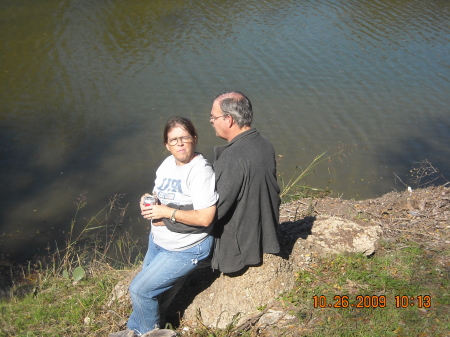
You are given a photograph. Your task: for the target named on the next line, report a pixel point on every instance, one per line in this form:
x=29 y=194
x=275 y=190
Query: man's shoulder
x=249 y=147
x=253 y=143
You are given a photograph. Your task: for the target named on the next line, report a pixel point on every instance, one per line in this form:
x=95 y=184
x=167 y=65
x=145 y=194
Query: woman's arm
x=200 y=217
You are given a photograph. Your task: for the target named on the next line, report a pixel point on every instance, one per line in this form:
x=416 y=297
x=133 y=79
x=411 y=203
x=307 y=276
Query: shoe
x=160 y=333
x=123 y=333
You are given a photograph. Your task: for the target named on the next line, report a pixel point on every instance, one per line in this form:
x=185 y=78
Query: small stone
x=271 y=317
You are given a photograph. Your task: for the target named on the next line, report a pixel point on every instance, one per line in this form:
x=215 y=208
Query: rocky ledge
x=309 y=229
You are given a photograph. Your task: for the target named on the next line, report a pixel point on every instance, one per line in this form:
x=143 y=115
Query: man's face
x=218 y=120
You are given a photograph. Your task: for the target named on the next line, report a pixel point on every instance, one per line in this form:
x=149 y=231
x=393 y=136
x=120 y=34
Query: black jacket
x=248 y=206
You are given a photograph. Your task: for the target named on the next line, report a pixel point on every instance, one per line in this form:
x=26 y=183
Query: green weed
x=64 y=294
x=292 y=190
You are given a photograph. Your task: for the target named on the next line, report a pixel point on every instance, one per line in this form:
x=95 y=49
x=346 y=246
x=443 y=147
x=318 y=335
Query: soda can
x=149 y=200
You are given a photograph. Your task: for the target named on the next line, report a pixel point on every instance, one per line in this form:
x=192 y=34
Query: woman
x=185 y=187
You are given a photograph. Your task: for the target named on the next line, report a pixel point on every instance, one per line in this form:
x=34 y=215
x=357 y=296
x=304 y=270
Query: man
x=245 y=168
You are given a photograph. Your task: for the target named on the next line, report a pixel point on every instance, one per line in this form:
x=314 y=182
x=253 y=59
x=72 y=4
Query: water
x=86 y=87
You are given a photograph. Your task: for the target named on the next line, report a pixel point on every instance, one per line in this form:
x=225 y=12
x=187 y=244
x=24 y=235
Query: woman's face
x=181 y=145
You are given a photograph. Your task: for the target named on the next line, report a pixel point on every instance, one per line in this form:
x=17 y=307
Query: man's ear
x=230 y=121
x=167 y=147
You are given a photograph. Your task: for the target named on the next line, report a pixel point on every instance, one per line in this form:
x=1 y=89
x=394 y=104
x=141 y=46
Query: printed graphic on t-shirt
x=166 y=196
x=168 y=188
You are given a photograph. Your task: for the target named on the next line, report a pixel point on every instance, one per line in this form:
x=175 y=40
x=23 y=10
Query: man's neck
x=237 y=131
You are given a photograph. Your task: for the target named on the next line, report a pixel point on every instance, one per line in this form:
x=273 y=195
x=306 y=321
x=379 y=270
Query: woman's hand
x=156 y=212
x=141 y=203
x=147 y=212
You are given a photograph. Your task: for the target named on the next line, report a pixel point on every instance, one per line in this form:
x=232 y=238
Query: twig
x=249 y=322
x=415 y=232
x=400 y=180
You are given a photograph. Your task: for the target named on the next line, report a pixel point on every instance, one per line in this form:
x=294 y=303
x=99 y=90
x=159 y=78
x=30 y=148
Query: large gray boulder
x=233 y=298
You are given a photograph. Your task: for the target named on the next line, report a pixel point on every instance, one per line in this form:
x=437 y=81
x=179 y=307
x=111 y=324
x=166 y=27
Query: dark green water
x=86 y=87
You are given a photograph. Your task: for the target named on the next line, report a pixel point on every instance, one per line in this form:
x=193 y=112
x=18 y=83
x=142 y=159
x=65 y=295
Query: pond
x=86 y=88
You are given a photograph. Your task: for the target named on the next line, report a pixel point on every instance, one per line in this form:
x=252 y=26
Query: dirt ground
x=421 y=215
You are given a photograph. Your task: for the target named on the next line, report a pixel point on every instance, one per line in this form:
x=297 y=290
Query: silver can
x=149 y=200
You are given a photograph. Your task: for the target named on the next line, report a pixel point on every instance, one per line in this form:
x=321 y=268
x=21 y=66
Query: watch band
x=172 y=218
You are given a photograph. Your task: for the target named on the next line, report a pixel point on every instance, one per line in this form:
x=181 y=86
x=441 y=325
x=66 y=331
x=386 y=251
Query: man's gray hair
x=237 y=105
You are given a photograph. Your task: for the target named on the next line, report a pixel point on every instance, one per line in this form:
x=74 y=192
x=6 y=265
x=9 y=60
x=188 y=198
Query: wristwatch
x=172 y=218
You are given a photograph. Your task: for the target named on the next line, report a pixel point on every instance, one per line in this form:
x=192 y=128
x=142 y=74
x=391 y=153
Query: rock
x=120 y=293
x=123 y=333
x=241 y=295
x=160 y=333
x=337 y=235
x=271 y=317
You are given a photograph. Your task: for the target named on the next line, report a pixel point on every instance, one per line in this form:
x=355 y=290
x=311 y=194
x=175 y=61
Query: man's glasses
x=184 y=139
x=212 y=118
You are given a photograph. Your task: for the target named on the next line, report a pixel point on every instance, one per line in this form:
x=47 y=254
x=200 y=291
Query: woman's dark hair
x=183 y=123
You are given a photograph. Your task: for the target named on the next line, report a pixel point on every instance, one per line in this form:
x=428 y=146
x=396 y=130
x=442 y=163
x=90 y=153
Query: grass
x=101 y=239
x=342 y=283
x=56 y=306
x=65 y=293
x=61 y=307
x=292 y=189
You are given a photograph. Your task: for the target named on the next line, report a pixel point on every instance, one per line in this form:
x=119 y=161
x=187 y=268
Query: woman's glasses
x=184 y=139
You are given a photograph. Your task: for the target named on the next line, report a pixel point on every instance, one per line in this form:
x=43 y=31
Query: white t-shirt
x=189 y=184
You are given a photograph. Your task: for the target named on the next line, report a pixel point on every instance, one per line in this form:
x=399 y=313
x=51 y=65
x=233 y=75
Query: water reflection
x=86 y=87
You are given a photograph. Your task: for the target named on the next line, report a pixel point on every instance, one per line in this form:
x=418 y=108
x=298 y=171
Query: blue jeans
x=160 y=272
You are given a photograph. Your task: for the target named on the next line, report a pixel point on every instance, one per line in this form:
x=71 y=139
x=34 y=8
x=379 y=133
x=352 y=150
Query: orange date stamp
x=371 y=301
